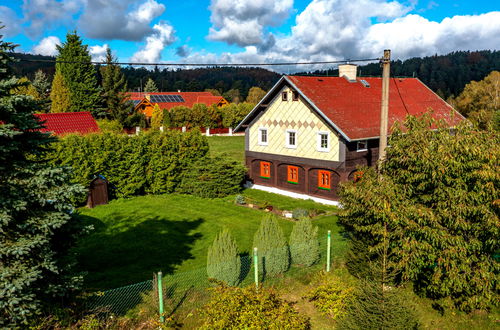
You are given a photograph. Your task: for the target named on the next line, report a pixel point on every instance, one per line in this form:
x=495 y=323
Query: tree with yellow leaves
x=59 y=94
x=157 y=118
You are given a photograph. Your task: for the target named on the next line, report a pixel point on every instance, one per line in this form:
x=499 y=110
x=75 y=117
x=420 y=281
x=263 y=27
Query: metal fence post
x=328 y=251
x=256 y=268
x=160 y=297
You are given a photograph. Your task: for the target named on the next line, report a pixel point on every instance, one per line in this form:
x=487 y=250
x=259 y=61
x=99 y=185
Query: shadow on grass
x=123 y=254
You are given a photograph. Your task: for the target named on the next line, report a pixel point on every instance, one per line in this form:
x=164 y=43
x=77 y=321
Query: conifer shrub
x=223 y=260
x=300 y=214
x=272 y=248
x=213 y=177
x=304 y=244
x=246 y=308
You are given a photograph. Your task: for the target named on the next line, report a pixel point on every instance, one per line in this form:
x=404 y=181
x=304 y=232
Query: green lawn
x=234 y=146
x=138 y=236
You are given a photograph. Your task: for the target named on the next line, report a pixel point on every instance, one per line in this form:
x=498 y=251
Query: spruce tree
x=271 y=247
x=74 y=64
x=59 y=95
x=223 y=261
x=42 y=86
x=157 y=117
x=150 y=86
x=36 y=226
x=114 y=88
x=304 y=244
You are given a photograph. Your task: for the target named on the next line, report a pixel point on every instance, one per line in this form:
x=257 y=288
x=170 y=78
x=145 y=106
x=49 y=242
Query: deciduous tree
x=255 y=94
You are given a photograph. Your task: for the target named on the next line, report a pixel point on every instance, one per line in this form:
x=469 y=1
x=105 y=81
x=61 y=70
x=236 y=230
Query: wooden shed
x=98 y=192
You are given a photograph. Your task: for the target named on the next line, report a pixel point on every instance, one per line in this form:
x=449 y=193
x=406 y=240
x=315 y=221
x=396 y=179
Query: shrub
x=223 y=261
x=304 y=244
x=300 y=214
x=272 y=249
x=135 y=120
x=109 y=126
x=240 y=199
x=331 y=297
x=213 y=177
x=246 y=308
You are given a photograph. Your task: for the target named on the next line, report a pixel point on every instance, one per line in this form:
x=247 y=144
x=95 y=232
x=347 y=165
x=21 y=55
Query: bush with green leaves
x=240 y=200
x=247 y=308
x=304 y=244
x=212 y=177
x=135 y=120
x=436 y=203
x=223 y=260
x=152 y=162
x=271 y=247
x=110 y=126
x=300 y=214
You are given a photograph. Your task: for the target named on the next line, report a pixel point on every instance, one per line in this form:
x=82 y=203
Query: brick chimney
x=349 y=71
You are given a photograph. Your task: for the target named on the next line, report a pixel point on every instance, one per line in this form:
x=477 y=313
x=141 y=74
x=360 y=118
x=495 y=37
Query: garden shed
x=98 y=192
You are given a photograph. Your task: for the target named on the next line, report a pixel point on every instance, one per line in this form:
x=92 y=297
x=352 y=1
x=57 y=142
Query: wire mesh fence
x=187 y=290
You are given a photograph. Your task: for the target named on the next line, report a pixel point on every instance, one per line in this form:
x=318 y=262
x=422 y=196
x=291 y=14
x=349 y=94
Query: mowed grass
x=132 y=238
x=234 y=146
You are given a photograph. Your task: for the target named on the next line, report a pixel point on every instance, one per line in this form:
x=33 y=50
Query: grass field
x=138 y=236
x=234 y=146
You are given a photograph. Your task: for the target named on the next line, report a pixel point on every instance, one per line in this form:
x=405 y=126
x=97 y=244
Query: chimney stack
x=349 y=71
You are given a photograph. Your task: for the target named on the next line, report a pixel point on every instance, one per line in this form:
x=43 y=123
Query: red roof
x=190 y=98
x=68 y=122
x=355 y=109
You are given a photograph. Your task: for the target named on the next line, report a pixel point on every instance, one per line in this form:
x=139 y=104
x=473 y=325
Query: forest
x=447 y=75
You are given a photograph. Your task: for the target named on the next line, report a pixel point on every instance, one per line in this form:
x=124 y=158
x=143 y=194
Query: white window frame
x=319 y=148
x=262 y=143
x=287 y=139
x=357 y=145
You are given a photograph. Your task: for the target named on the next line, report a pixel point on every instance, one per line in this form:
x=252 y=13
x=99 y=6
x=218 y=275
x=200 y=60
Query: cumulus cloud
x=43 y=14
x=119 y=19
x=243 y=22
x=9 y=19
x=163 y=35
x=47 y=46
x=98 y=53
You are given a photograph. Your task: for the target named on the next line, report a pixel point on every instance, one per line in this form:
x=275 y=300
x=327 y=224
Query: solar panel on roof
x=166 y=98
x=136 y=102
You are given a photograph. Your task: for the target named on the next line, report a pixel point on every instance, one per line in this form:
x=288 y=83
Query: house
x=310 y=133
x=68 y=122
x=144 y=102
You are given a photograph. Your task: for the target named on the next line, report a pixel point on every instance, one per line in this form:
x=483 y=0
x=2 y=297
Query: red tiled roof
x=190 y=98
x=355 y=109
x=68 y=122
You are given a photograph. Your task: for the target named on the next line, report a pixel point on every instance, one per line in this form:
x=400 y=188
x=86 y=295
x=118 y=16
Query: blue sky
x=239 y=31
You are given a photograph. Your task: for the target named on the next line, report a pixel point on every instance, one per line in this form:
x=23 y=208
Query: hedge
x=152 y=162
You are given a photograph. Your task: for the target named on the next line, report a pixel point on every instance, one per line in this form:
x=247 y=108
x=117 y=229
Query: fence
x=186 y=291
x=204 y=130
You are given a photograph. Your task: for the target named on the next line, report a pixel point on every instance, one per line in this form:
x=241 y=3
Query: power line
x=205 y=64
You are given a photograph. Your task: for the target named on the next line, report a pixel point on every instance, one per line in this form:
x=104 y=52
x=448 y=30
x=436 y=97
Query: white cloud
x=119 y=19
x=9 y=19
x=164 y=35
x=43 y=14
x=47 y=46
x=98 y=53
x=243 y=22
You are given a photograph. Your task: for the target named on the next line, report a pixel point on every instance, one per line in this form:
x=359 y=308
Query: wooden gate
x=98 y=192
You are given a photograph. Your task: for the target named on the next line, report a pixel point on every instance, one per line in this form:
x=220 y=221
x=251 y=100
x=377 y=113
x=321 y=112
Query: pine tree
x=36 y=226
x=157 y=117
x=114 y=87
x=223 y=261
x=42 y=85
x=271 y=247
x=59 y=95
x=150 y=86
x=74 y=64
x=304 y=244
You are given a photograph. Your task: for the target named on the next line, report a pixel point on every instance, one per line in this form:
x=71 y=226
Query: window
x=323 y=141
x=284 y=96
x=265 y=170
x=295 y=96
x=362 y=145
x=263 y=136
x=324 y=180
x=291 y=138
x=293 y=174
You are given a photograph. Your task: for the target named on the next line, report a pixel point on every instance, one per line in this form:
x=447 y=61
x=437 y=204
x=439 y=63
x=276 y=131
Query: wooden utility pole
x=384 y=110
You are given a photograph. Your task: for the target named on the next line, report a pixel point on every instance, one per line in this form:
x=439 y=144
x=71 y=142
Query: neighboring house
x=68 y=122
x=309 y=133
x=144 y=102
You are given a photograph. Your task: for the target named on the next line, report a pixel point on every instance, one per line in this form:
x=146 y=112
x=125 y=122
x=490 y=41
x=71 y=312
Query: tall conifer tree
x=74 y=64
x=114 y=87
x=150 y=86
x=36 y=226
x=59 y=95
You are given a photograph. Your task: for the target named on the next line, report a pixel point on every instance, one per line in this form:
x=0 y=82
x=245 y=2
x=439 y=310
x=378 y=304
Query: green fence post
x=256 y=268
x=328 y=251
x=160 y=297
